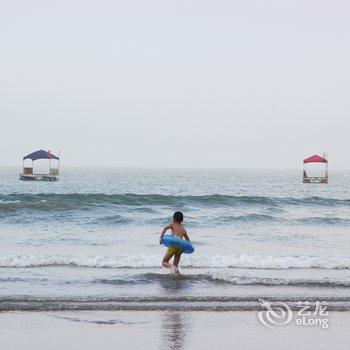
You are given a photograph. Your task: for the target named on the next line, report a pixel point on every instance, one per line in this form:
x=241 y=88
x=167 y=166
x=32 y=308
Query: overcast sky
x=245 y=84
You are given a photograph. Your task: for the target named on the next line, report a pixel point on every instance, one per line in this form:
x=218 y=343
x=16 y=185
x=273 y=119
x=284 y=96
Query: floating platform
x=28 y=173
x=315 y=179
x=38 y=177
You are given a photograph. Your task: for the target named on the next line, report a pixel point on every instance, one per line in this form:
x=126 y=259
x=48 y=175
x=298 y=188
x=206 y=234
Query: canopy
x=40 y=155
x=315 y=159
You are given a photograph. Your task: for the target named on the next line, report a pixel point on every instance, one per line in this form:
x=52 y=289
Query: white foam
x=153 y=261
x=232 y=278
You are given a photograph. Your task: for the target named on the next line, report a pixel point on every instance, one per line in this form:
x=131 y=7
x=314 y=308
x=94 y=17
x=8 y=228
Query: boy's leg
x=177 y=259
x=166 y=259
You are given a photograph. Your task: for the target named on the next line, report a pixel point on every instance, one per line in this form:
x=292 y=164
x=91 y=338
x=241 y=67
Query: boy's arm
x=186 y=236
x=166 y=228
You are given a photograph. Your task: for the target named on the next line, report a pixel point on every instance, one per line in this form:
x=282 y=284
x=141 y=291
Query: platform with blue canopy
x=28 y=173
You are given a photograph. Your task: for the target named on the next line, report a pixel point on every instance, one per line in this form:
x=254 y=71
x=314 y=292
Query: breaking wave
x=81 y=201
x=220 y=277
x=123 y=209
x=153 y=261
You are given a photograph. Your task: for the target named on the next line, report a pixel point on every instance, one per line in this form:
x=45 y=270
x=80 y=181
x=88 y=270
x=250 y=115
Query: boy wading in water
x=178 y=230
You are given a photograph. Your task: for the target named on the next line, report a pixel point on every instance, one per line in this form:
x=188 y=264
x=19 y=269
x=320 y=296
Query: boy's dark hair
x=178 y=216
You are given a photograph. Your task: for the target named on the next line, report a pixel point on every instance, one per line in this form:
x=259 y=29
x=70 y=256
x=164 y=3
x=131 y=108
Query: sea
x=90 y=241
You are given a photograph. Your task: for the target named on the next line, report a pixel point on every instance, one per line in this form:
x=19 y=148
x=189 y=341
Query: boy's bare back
x=178 y=230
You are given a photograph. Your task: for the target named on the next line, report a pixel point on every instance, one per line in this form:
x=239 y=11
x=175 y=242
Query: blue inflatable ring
x=173 y=241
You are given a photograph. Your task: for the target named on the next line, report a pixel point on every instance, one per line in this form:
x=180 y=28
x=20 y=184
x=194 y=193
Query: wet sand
x=164 y=330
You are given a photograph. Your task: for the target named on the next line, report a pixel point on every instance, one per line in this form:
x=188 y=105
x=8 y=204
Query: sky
x=214 y=84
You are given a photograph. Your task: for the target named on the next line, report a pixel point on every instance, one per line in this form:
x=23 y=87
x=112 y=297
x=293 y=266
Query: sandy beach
x=163 y=330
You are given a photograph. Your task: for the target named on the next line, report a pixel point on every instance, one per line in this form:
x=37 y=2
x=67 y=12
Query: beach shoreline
x=164 y=330
x=161 y=304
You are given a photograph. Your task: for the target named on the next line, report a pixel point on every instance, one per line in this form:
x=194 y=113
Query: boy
x=178 y=230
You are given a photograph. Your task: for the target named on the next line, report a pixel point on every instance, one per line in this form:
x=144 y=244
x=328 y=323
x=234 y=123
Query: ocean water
x=90 y=240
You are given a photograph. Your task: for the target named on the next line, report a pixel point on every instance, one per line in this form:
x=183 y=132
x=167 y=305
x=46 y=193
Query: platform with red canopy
x=316 y=179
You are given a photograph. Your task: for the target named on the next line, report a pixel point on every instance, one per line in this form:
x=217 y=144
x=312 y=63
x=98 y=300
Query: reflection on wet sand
x=174 y=327
x=175 y=283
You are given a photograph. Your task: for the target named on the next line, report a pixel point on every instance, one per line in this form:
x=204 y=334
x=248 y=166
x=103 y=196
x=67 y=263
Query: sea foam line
x=158 y=304
x=153 y=261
